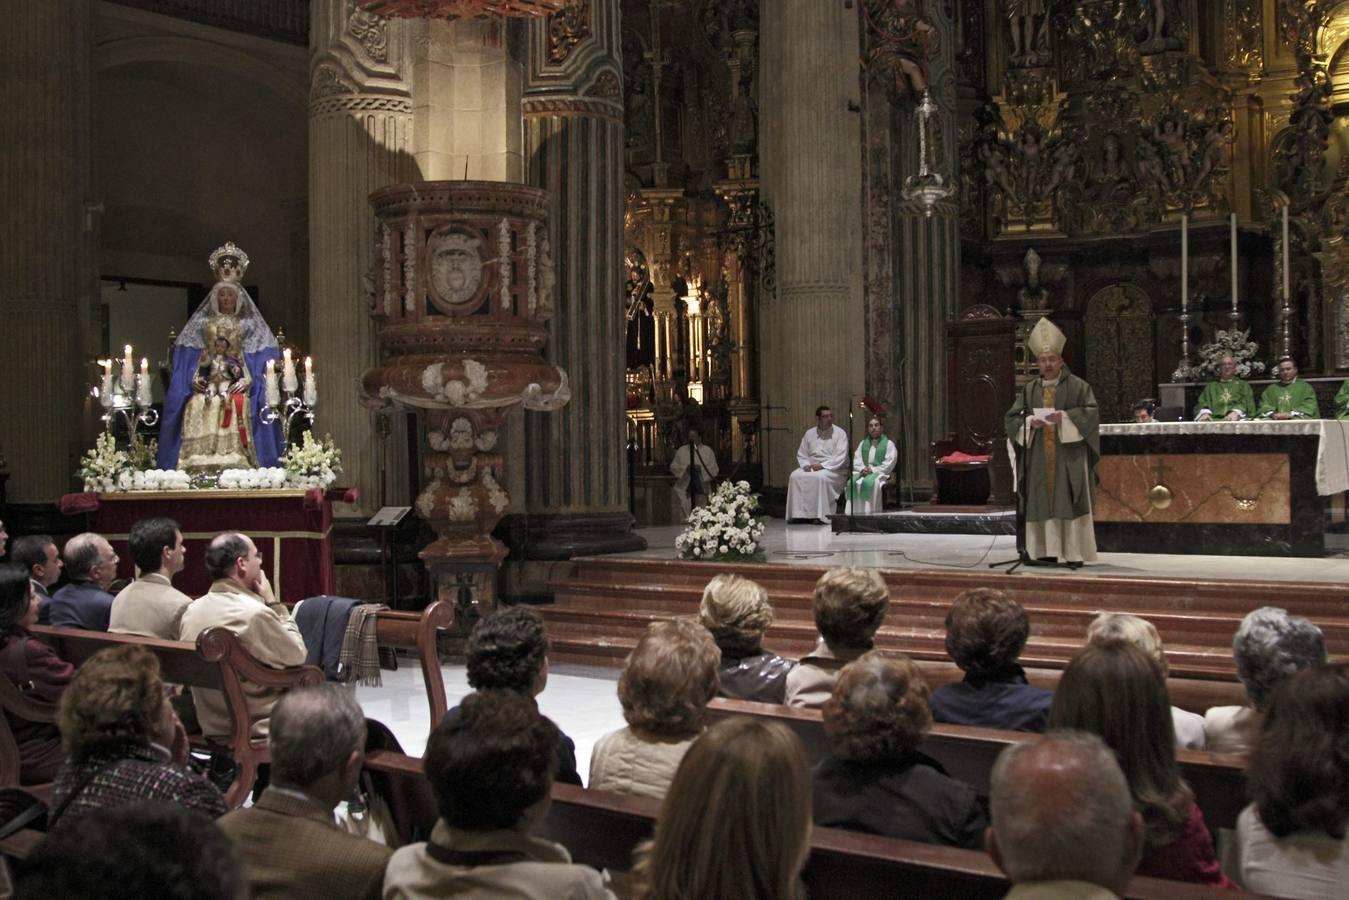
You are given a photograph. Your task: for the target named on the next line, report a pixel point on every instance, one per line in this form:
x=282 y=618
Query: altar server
x=872 y=465
x=1288 y=398
x=1228 y=398
x=812 y=491
x=694 y=466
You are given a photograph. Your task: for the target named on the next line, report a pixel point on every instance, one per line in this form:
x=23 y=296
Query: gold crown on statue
x=230 y=250
x=1045 y=337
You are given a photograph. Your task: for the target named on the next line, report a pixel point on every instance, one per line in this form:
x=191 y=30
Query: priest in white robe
x=872 y=466
x=694 y=466
x=822 y=460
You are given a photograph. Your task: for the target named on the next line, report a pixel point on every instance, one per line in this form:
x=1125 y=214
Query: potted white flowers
x=727 y=529
x=102 y=467
x=313 y=464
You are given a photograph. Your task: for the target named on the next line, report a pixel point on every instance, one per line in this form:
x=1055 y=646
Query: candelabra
x=927 y=187
x=128 y=395
x=295 y=406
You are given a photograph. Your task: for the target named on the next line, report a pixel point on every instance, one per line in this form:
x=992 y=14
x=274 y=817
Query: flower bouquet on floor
x=727 y=529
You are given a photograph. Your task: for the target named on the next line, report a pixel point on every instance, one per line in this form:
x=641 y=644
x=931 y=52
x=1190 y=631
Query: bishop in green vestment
x=871 y=465
x=1062 y=448
x=1288 y=398
x=1227 y=398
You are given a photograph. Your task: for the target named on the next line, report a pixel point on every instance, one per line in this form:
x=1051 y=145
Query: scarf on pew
x=359 y=659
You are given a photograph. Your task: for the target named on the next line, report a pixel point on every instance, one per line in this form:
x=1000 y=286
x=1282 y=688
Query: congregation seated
x=37 y=554
x=508 y=650
x=1143 y=634
x=667 y=680
x=36 y=671
x=849 y=605
x=241 y=600
x=151 y=606
x=874 y=779
x=1291 y=841
x=151 y=850
x=123 y=741
x=1117 y=691
x=1269 y=646
x=91 y=565
x=287 y=840
x=491 y=770
x=1063 y=822
x=737 y=613
x=736 y=822
x=985 y=633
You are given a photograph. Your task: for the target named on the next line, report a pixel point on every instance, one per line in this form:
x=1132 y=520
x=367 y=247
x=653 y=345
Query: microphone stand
x=1022 y=466
x=848 y=485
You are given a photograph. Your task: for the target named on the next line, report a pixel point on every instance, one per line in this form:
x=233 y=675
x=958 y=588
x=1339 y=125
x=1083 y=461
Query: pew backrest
x=419 y=632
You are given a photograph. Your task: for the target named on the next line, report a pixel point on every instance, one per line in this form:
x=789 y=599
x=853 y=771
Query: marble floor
x=583 y=701
x=817 y=545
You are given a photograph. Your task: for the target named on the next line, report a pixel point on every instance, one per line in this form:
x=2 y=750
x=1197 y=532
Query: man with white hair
x=91 y=566
x=1055 y=422
x=1063 y=822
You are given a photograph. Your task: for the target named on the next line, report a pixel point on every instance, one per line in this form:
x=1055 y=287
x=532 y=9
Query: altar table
x=1256 y=487
x=292 y=529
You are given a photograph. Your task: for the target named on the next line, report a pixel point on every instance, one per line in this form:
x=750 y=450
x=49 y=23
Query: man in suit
x=290 y=845
x=91 y=566
x=38 y=554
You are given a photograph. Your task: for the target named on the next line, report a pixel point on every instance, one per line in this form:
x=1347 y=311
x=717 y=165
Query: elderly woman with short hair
x=849 y=605
x=124 y=743
x=36 y=672
x=737 y=613
x=667 y=681
x=1269 y=646
x=1143 y=634
x=874 y=779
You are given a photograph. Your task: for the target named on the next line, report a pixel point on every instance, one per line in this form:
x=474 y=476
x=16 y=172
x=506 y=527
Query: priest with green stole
x=1055 y=423
x=1288 y=398
x=1229 y=398
x=871 y=465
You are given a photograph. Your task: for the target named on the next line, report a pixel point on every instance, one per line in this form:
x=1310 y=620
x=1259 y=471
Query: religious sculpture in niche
x=902 y=40
x=456 y=268
x=216 y=389
x=1028 y=23
x=1164 y=27
x=639 y=312
x=566 y=29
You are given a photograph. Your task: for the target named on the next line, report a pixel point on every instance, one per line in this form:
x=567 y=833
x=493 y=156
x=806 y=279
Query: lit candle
x=128 y=370
x=271 y=386
x=105 y=393
x=1287 y=269
x=311 y=391
x=1234 y=262
x=144 y=395
x=1184 y=262
x=288 y=379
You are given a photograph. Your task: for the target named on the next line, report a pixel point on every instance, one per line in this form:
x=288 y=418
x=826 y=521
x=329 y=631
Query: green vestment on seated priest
x=1342 y=402
x=1295 y=397
x=1221 y=397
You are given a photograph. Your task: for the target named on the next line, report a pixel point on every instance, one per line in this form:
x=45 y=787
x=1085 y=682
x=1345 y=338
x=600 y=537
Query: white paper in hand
x=1043 y=412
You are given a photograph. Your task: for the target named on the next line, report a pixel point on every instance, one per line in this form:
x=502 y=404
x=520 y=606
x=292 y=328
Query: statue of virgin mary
x=217 y=386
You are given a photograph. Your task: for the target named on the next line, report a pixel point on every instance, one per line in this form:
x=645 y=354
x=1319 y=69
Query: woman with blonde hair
x=737 y=613
x=736 y=823
x=667 y=680
x=1143 y=634
x=849 y=605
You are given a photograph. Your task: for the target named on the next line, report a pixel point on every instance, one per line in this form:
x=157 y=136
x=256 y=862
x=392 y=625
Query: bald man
x=1063 y=821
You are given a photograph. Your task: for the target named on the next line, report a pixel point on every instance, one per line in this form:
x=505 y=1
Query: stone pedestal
x=48 y=284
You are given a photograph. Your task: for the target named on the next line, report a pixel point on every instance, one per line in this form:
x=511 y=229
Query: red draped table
x=292 y=529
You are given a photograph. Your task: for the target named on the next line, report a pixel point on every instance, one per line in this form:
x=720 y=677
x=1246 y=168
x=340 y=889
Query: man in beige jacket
x=151 y=606
x=241 y=600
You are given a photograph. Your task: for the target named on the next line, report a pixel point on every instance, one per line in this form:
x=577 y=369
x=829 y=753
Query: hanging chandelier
x=927 y=187
x=459 y=9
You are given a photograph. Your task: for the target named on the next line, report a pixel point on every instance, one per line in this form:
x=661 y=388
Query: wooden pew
x=968 y=754
x=602 y=830
x=418 y=632
x=217 y=661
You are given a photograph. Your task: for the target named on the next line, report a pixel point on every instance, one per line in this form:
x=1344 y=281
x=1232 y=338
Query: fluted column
x=360 y=127
x=813 y=347
x=46 y=285
x=576 y=482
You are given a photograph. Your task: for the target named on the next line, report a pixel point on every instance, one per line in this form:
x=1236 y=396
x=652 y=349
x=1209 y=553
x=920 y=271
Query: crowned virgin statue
x=217 y=387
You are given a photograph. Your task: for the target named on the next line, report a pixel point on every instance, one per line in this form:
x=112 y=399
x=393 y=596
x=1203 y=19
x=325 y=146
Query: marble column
x=813 y=330
x=360 y=139
x=47 y=277
x=576 y=483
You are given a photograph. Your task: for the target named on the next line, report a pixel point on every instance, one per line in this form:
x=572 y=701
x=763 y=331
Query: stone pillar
x=813 y=334
x=47 y=292
x=576 y=485
x=360 y=127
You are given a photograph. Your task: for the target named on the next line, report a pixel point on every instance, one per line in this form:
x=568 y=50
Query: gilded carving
x=1244 y=34
x=568 y=27
x=1028 y=25
x=1119 y=345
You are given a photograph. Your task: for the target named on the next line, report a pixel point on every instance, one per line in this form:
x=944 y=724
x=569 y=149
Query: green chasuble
x=873 y=455
x=1221 y=397
x=1297 y=397
x=1074 y=461
x=1342 y=402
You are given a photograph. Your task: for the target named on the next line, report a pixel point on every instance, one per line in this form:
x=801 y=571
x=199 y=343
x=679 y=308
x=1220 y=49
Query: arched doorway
x=1120 y=349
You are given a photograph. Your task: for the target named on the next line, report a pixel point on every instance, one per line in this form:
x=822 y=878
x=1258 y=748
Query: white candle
x=1184 y=262
x=105 y=392
x=144 y=394
x=1287 y=276
x=288 y=379
x=271 y=386
x=128 y=370
x=311 y=390
x=1234 y=262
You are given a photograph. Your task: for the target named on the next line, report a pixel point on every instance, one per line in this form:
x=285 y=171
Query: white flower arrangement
x=252 y=479
x=1234 y=343
x=727 y=529
x=102 y=468
x=312 y=464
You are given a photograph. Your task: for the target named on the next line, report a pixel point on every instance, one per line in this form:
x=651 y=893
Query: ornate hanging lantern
x=460 y=9
x=927 y=187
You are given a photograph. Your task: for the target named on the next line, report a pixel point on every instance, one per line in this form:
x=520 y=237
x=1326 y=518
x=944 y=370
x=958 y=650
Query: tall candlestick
x=288 y=379
x=270 y=385
x=311 y=391
x=1184 y=261
x=1234 y=263
x=144 y=395
x=128 y=370
x=1287 y=282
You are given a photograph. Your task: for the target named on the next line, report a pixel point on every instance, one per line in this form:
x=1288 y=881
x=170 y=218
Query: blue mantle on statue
x=266 y=438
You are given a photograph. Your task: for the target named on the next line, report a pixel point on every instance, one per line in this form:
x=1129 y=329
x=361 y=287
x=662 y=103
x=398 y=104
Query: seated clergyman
x=1229 y=398
x=822 y=460
x=1288 y=398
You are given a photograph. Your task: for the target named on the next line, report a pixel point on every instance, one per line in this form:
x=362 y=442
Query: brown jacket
x=812 y=681
x=293 y=851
